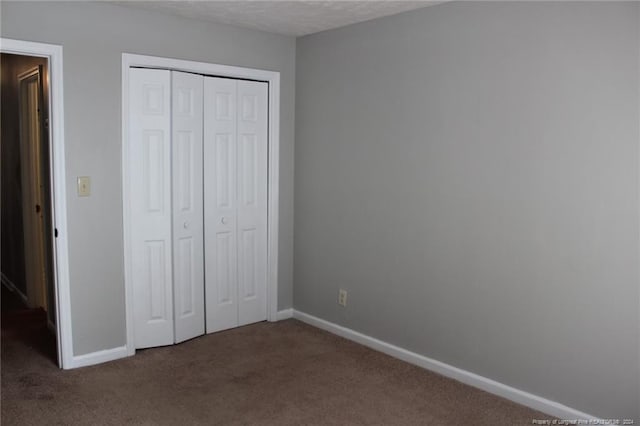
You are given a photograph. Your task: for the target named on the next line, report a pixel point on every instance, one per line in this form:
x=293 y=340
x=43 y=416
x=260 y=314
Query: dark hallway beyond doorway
x=26 y=326
x=28 y=306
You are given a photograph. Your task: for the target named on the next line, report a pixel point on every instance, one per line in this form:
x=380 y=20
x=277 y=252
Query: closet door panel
x=187 y=176
x=150 y=206
x=220 y=203
x=252 y=201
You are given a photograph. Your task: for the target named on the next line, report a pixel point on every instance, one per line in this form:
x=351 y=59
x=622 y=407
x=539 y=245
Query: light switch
x=84 y=186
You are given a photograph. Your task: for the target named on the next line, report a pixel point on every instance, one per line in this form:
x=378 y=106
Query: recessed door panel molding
x=188 y=225
x=248 y=166
x=222 y=303
x=185 y=146
x=225 y=179
x=249 y=256
x=150 y=206
x=184 y=270
x=154 y=99
x=159 y=306
x=250 y=107
x=225 y=272
x=153 y=144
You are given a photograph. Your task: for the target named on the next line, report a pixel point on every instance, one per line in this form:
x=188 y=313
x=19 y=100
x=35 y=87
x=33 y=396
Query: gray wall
x=94 y=35
x=469 y=173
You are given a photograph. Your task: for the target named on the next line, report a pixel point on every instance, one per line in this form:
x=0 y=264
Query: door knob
x=37 y=208
x=224 y=220
x=186 y=225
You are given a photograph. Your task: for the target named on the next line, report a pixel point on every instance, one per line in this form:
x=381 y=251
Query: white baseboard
x=14 y=289
x=123 y=352
x=99 y=357
x=284 y=314
x=521 y=397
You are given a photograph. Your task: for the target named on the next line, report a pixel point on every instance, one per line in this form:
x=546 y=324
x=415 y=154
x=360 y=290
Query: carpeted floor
x=284 y=373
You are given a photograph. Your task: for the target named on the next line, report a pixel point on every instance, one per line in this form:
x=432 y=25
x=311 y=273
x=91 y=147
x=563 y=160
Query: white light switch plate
x=84 y=186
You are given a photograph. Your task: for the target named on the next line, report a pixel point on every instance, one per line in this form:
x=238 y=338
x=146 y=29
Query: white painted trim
x=521 y=397
x=99 y=357
x=126 y=213
x=273 y=195
x=284 y=314
x=638 y=181
x=14 y=289
x=271 y=77
x=62 y=288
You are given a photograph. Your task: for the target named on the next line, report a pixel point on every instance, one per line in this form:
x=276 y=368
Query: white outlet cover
x=84 y=186
x=342 y=297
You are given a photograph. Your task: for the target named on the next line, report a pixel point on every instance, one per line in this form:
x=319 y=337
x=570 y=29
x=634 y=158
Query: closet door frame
x=273 y=80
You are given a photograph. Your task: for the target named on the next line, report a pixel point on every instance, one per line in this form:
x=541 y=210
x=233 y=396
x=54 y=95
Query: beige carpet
x=285 y=373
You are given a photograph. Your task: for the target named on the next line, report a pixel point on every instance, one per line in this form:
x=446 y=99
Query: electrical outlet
x=342 y=297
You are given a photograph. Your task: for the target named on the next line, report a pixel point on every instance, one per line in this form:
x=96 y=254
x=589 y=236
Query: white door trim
x=271 y=77
x=62 y=289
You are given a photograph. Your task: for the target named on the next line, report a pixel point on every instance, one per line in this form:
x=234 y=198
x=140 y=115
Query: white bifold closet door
x=235 y=202
x=166 y=210
x=188 y=226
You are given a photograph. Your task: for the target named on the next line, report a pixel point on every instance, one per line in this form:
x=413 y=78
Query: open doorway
x=28 y=287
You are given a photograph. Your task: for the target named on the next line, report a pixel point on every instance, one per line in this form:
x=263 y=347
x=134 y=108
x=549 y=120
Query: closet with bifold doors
x=197 y=169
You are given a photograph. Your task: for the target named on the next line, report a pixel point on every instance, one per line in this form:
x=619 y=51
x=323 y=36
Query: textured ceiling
x=294 y=18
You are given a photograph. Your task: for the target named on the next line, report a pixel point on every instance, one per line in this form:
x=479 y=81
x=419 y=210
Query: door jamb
x=34 y=295
x=273 y=80
x=57 y=171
